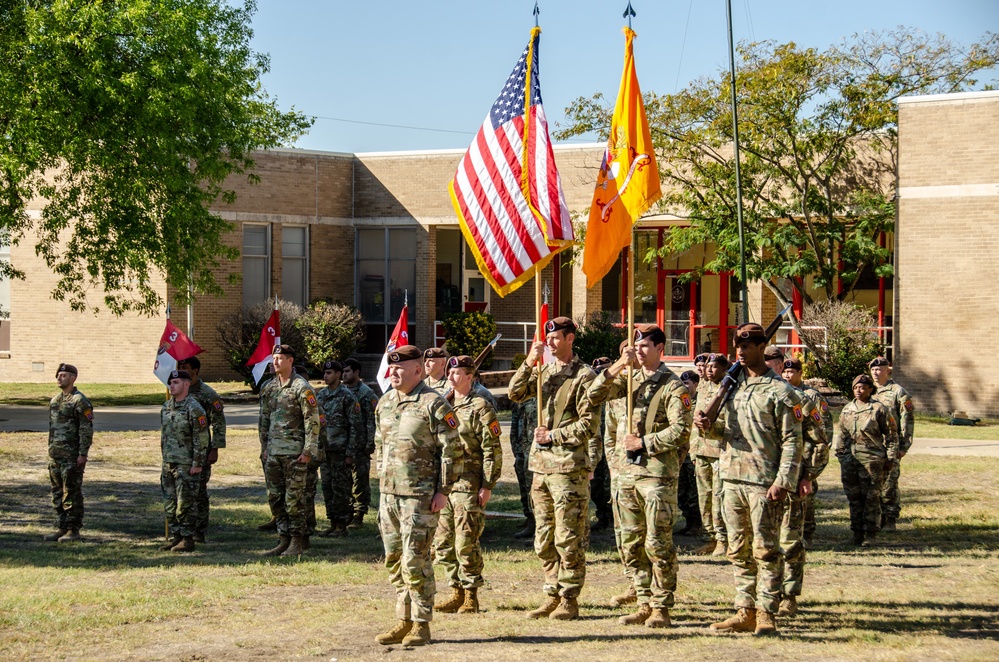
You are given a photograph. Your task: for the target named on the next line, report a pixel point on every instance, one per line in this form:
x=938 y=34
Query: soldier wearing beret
x=212 y=404
x=184 y=441
x=600 y=484
x=760 y=463
x=71 y=432
x=419 y=458
x=653 y=448
x=523 y=420
x=700 y=361
x=435 y=365
x=463 y=519
x=343 y=440
x=774 y=357
x=360 y=498
x=705 y=448
x=899 y=403
x=289 y=439
x=565 y=449
x=866 y=442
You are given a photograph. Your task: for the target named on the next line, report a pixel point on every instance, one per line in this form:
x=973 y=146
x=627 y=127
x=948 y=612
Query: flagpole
x=744 y=292
x=539 y=334
x=631 y=325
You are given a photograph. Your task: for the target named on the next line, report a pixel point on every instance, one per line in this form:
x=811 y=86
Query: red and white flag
x=174 y=347
x=270 y=335
x=507 y=192
x=400 y=337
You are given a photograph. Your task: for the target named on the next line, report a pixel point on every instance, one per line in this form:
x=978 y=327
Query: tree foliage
x=239 y=333
x=125 y=117
x=330 y=331
x=469 y=333
x=597 y=336
x=842 y=344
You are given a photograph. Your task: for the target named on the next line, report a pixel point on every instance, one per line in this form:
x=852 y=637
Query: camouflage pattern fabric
x=647 y=506
x=407 y=527
x=456 y=543
x=440 y=385
x=184 y=437
x=180 y=498
x=900 y=404
x=311 y=485
x=687 y=495
x=866 y=438
x=344 y=436
x=753 y=525
x=479 y=389
x=66 y=480
x=792 y=530
x=704 y=444
x=614 y=410
x=600 y=491
x=862 y=482
x=287 y=479
x=360 y=498
x=289 y=418
x=817 y=435
x=561 y=512
x=337 y=480
x=709 y=496
x=212 y=404
x=523 y=420
x=71 y=433
x=479 y=435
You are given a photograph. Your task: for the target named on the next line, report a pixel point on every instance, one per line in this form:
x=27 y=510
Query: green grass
x=105 y=395
x=927 y=592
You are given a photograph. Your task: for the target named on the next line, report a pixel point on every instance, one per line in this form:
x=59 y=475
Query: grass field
x=105 y=395
x=927 y=593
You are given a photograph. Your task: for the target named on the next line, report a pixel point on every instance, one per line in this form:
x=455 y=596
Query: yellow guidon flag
x=628 y=182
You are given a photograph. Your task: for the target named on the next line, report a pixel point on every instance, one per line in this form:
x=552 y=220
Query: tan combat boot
x=870 y=539
x=396 y=634
x=73 y=535
x=281 y=547
x=527 y=531
x=721 y=549
x=419 y=635
x=659 y=618
x=471 y=604
x=268 y=526
x=199 y=537
x=170 y=544
x=639 y=617
x=568 y=610
x=295 y=546
x=626 y=598
x=186 y=544
x=766 y=624
x=551 y=603
x=357 y=522
x=706 y=548
x=52 y=537
x=743 y=621
x=451 y=605
x=788 y=607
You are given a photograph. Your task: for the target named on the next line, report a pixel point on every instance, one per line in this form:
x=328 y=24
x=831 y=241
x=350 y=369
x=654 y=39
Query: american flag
x=507 y=192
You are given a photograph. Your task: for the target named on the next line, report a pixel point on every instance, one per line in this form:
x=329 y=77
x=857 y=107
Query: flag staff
x=744 y=293
x=537 y=14
x=540 y=333
x=629 y=12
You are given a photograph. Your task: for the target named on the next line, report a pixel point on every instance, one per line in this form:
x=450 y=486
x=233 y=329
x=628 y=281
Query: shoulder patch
x=322 y=417
x=88 y=413
x=816 y=416
x=494 y=427
x=451 y=420
x=908 y=405
x=310 y=397
x=685 y=400
x=797 y=412
x=374 y=402
x=825 y=406
x=203 y=421
x=217 y=405
x=357 y=407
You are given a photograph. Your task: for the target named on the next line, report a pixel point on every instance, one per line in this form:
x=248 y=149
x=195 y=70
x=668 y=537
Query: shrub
x=469 y=333
x=597 y=336
x=849 y=342
x=330 y=331
x=239 y=334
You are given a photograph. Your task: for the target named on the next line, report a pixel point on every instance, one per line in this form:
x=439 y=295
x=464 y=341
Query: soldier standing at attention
x=866 y=443
x=435 y=365
x=289 y=439
x=523 y=420
x=688 y=492
x=774 y=357
x=897 y=399
x=212 y=404
x=600 y=484
x=184 y=441
x=647 y=502
x=463 y=519
x=360 y=498
x=343 y=442
x=565 y=450
x=759 y=464
x=705 y=447
x=419 y=460
x=71 y=432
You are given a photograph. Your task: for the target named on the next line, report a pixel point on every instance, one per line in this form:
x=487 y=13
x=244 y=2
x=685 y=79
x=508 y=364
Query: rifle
x=486 y=351
x=727 y=385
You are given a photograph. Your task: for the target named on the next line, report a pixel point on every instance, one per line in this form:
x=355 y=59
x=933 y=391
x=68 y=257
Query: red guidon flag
x=400 y=337
x=262 y=356
x=174 y=347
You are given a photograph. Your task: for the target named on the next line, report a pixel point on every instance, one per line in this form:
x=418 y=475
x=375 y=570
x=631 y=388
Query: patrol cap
x=332 y=365
x=463 y=361
x=879 y=361
x=560 y=323
x=751 y=332
x=179 y=374
x=601 y=363
x=284 y=349
x=191 y=362
x=773 y=352
x=65 y=367
x=690 y=376
x=701 y=358
x=650 y=332
x=863 y=379
x=435 y=353
x=793 y=364
x=405 y=353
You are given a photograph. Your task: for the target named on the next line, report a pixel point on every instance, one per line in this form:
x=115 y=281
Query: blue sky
x=440 y=65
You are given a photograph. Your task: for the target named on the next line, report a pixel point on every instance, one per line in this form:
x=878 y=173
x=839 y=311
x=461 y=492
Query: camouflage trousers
x=338 y=481
x=862 y=483
x=66 y=480
x=360 y=498
x=891 y=506
x=203 y=502
x=407 y=526
x=686 y=494
x=810 y=511
x=524 y=475
x=311 y=485
x=792 y=530
x=286 y=493
x=456 y=543
x=600 y=490
x=180 y=498
x=753 y=525
x=648 y=511
x=616 y=482
x=709 y=496
x=561 y=534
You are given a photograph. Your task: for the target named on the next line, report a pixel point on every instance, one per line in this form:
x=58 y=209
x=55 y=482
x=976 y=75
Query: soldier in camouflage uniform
x=614 y=411
x=289 y=439
x=71 y=432
x=866 y=443
x=212 y=404
x=827 y=425
x=463 y=519
x=343 y=440
x=898 y=402
x=759 y=464
x=184 y=442
x=815 y=457
x=652 y=448
x=523 y=420
x=564 y=451
x=435 y=367
x=360 y=499
x=600 y=484
x=705 y=447
x=419 y=460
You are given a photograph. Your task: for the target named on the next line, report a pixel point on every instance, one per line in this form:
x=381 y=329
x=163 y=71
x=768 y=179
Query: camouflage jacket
x=815 y=451
x=705 y=443
x=481 y=390
x=868 y=430
x=71 y=425
x=368 y=401
x=212 y=404
x=344 y=426
x=184 y=438
x=416 y=441
x=523 y=420
x=662 y=407
x=900 y=405
x=614 y=411
x=289 y=418
x=566 y=411
x=479 y=434
x=762 y=433
x=440 y=385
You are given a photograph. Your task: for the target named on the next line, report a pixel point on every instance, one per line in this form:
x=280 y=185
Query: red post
x=881 y=299
x=723 y=311
x=692 y=313
x=797 y=305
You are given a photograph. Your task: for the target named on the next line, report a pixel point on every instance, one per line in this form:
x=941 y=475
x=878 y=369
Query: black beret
x=284 y=349
x=751 y=331
x=179 y=374
x=601 y=363
x=700 y=358
x=463 y=361
x=65 y=367
x=793 y=364
x=332 y=365
x=879 y=361
x=863 y=379
x=191 y=362
x=560 y=323
x=690 y=376
x=720 y=359
x=650 y=332
x=773 y=352
x=435 y=353
x=405 y=353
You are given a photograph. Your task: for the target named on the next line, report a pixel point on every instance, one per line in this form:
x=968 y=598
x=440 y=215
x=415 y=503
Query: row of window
x=257 y=264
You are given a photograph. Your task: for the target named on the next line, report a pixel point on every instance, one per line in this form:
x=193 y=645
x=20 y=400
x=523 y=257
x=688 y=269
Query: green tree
x=597 y=336
x=125 y=117
x=819 y=142
x=239 y=333
x=469 y=333
x=330 y=331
